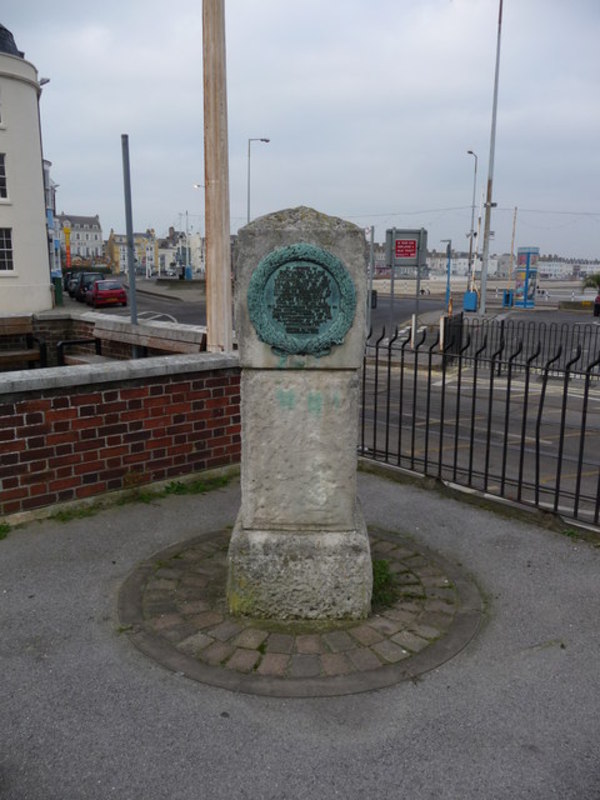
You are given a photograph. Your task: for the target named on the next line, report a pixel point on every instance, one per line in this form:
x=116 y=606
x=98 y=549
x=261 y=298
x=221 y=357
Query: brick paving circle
x=173 y=608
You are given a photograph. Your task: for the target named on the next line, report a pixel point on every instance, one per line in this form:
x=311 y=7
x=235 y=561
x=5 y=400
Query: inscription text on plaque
x=301 y=300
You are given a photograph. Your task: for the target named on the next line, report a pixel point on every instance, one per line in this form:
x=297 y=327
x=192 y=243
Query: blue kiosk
x=526 y=277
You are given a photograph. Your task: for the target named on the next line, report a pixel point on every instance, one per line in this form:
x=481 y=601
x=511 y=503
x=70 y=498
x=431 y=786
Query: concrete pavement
x=85 y=715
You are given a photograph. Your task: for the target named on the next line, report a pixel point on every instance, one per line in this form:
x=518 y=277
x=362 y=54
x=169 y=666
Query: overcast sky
x=370 y=106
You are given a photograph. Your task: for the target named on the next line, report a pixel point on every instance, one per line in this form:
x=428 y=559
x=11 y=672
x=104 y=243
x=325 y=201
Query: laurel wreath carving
x=282 y=342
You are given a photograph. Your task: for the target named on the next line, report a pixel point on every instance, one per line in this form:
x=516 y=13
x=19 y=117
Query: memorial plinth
x=299 y=548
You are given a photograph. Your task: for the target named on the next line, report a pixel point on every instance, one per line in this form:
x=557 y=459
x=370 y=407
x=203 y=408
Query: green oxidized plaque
x=301 y=300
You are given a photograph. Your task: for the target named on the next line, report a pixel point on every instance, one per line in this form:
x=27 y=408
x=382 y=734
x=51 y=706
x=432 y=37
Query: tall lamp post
x=249 y=143
x=448 y=269
x=485 y=256
x=202 y=262
x=472 y=233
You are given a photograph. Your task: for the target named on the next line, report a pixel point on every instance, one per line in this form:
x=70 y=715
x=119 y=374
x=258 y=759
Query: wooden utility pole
x=216 y=180
x=488 y=202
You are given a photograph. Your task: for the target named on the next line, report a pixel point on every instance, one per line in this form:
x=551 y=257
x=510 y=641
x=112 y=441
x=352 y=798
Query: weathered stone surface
x=342 y=239
x=300 y=575
x=300 y=431
x=300 y=547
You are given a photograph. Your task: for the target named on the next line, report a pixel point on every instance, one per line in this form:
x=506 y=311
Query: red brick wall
x=70 y=443
x=53 y=330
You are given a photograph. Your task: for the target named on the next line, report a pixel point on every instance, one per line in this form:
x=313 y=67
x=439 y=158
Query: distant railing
x=511 y=410
x=539 y=342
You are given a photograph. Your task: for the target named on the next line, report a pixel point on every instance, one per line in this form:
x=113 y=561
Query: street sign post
x=405 y=248
x=405 y=251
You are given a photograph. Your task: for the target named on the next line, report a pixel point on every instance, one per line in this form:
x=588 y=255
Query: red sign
x=406 y=248
x=67 y=232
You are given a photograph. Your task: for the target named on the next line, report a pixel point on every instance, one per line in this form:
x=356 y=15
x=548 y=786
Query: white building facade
x=554 y=269
x=82 y=236
x=25 y=285
x=197 y=260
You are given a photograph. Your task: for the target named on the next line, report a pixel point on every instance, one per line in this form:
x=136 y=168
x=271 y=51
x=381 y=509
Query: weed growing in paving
x=196 y=487
x=139 y=495
x=161 y=563
x=176 y=487
x=143 y=496
x=124 y=628
x=385 y=590
x=67 y=514
x=4 y=530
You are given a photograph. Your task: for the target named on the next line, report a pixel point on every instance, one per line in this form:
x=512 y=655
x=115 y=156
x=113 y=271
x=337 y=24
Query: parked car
x=66 y=278
x=106 y=293
x=72 y=283
x=86 y=281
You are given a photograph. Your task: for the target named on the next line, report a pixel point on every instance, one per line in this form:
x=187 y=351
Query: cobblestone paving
x=180 y=610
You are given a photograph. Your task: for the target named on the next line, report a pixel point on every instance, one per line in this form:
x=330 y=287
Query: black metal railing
x=532 y=337
x=515 y=417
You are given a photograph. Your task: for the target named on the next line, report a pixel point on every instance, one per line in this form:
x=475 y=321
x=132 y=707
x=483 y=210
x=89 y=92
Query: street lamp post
x=472 y=232
x=249 y=143
x=199 y=186
x=448 y=269
x=488 y=202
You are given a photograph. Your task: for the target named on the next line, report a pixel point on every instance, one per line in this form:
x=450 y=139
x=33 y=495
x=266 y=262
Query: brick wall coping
x=22 y=381
x=122 y=328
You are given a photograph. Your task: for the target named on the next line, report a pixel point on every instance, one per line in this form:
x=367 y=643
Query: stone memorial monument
x=299 y=549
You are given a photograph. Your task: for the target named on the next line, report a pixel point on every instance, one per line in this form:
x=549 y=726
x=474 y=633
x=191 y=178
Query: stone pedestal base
x=300 y=548
x=300 y=574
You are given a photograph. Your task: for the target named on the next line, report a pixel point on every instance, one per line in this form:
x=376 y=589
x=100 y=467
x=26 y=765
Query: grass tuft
x=139 y=495
x=196 y=487
x=385 y=590
x=81 y=512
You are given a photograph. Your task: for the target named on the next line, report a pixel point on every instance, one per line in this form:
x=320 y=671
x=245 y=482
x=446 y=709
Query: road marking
x=569 y=476
x=481 y=430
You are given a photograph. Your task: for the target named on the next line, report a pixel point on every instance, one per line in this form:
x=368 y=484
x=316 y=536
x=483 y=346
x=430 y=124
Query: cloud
x=370 y=108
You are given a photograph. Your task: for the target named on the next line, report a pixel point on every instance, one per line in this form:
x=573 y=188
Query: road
x=389 y=315
x=194 y=312
x=155 y=307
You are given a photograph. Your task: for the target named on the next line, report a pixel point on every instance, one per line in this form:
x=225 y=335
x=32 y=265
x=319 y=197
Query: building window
x=3 y=190
x=6 y=252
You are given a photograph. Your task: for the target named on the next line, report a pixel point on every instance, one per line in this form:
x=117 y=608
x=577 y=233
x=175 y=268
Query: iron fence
x=539 y=342
x=506 y=412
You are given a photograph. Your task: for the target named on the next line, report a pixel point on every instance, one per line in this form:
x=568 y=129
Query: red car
x=106 y=293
